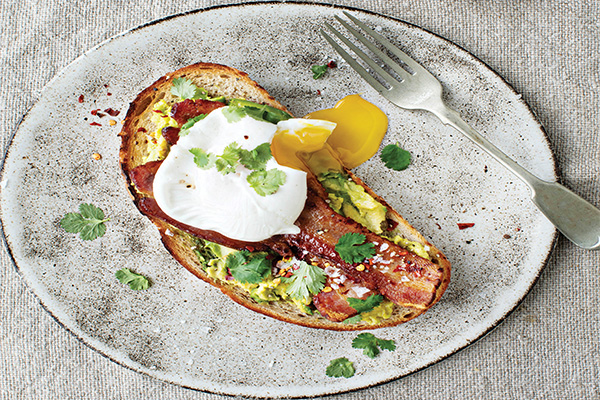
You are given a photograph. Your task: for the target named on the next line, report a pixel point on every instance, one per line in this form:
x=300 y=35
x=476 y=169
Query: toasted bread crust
x=220 y=80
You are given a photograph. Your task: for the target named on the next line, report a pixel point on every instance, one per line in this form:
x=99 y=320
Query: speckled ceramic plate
x=186 y=332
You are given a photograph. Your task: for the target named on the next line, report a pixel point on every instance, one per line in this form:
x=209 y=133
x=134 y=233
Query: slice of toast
x=219 y=80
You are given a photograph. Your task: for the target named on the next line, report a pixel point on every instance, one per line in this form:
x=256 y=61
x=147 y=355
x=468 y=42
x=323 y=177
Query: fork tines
x=402 y=71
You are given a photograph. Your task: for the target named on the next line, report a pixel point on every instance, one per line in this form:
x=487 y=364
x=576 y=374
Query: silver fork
x=415 y=88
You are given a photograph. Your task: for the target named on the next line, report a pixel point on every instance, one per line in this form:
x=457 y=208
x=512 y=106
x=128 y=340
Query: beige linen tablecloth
x=547 y=349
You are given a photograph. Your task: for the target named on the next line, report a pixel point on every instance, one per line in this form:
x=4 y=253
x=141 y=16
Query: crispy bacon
x=148 y=206
x=142 y=176
x=401 y=276
x=171 y=134
x=183 y=111
x=333 y=304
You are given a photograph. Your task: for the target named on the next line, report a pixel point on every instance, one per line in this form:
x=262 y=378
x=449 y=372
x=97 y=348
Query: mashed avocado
x=350 y=199
x=158 y=148
x=379 y=313
x=270 y=289
x=414 y=247
x=212 y=257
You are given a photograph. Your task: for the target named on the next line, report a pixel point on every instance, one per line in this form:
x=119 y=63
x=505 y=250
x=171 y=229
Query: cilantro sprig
x=134 y=280
x=340 y=367
x=257 y=158
x=247 y=267
x=88 y=222
x=352 y=248
x=186 y=89
x=306 y=280
x=395 y=157
x=202 y=159
x=318 y=70
x=263 y=181
x=371 y=345
x=266 y=182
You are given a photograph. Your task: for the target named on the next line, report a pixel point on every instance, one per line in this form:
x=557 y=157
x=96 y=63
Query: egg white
x=207 y=199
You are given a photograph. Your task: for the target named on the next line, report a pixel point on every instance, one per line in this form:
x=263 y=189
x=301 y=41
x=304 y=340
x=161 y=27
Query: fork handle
x=573 y=216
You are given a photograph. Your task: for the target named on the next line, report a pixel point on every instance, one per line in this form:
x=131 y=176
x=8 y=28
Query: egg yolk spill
x=360 y=128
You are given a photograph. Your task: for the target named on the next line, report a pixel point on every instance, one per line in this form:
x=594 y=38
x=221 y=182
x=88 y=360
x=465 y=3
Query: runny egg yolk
x=360 y=128
x=359 y=131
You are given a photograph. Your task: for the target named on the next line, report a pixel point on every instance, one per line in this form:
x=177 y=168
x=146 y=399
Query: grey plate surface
x=186 y=332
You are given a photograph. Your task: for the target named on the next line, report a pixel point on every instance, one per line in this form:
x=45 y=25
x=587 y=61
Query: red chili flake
x=80 y=99
x=158 y=111
x=318 y=92
x=95 y=124
x=250 y=248
x=141 y=129
x=109 y=94
x=439 y=226
x=246 y=137
x=112 y=112
x=465 y=225
x=106 y=85
x=391 y=224
x=332 y=64
x=94 y=112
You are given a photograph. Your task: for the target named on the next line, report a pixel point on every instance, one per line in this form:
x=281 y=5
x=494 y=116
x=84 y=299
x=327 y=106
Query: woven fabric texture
x=547 y=349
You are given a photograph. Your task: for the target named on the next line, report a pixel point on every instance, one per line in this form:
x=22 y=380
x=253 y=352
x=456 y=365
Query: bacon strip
x=171 y=134
x=142 y=177
x=148 y=206
x=187 y=109
x=334 y=304
x=401 y=276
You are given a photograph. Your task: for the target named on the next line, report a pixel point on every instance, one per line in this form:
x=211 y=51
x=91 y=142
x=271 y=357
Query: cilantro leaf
x=352 y=247
x=185 y=128
x=257 y=158
x=266 y=182
x=135 y=281
x=340 y=367
x=88 y=222
x=202 y=159
x=395 y=157
x=365 y=305
x=306 y=280
x=318 y=70
x=227 y=161
x=370 y=344
x=248 y=267
x=185 y=89
x=233 y=114
x=389 y=345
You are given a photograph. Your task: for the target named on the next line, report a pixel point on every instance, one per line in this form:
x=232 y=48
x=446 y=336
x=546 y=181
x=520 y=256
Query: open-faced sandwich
x=211 y=158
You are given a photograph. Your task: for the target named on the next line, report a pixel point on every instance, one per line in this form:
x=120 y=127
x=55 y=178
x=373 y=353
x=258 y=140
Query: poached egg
x=207 y=199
